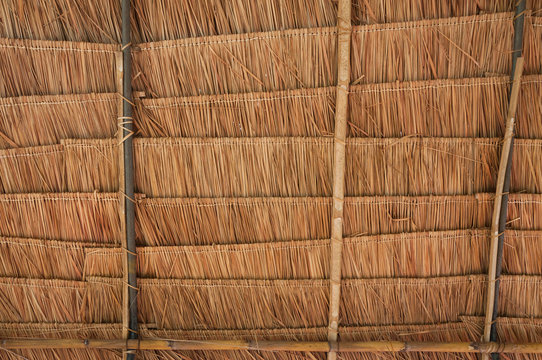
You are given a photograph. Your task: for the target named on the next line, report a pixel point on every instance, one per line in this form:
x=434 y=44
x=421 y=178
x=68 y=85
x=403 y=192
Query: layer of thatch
x=228 y=64
x=433 y=49
x=532 y=45
x=520 y=296
x=520 y=330
x=154 y=21
x=522 y=252
x=302 y=112
x=45 y=120
x=388 y=11
x=66 y=20
x=88 y=217
x=33 y=67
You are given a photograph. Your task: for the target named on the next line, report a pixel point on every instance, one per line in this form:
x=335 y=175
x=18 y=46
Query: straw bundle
x=91 y=165
x=523 y=210
x=162 y=222
x=35 y=67
x=233 y=167
x=389 y=11
x=529 y=111
x=35 y=169
x=281 y=260
x=520 y=296
x=532 y=47
x=31 y=300
x=411 y=301
x=520 y=330
x=82 y=20
x=45 y=120
x=425 y=166
x=522 y=252
x=388 y=215
x=439 y=108
x=37 y=258
x=154 y=21
x=433 y=49
x=210 y=304
x=303 y=112
x=445 y=253
x=64 y=216
x=525 y=174
x=231 y=355
x=237 y=63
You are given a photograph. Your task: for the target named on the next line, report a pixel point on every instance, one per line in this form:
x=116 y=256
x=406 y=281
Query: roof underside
x=233 y=160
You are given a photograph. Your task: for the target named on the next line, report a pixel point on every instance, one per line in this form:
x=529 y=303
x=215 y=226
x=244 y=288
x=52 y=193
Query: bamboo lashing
x=344 y=33
x=297 y=346
x=508 y=136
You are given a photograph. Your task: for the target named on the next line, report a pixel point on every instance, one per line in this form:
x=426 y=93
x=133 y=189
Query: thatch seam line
x=8 y=102
x=59 y=47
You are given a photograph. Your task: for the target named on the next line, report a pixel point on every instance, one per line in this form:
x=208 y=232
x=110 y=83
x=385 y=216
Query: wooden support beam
x=344 y=33
x=301 y=346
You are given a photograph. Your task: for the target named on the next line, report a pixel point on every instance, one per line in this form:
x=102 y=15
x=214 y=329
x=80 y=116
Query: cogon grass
x=301 y=112
x=520 y=296
x=35 y=67
x=522 y=252
x=243 y=63
x=432 y=49
x=155 y=21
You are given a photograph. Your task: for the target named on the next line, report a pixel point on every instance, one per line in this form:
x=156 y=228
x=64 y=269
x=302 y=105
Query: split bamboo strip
x=64 y=20
x=37 y=300
x=503 y=173
x=152 y=21
x=35 y=67
x=301 y=112
x=226 y=167
x=228 y=64
x=389 y=11
x=344 y=35
x=87 y=217
x=520 y=296
x=432 y=49
x=522 y=251
x=45 y=120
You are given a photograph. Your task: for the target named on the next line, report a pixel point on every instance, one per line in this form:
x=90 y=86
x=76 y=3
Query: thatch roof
x=247 y=117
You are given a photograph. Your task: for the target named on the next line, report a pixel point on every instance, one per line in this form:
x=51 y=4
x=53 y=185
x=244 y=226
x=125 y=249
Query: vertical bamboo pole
x=126 y=188
x=344 y=33
x=500 y=209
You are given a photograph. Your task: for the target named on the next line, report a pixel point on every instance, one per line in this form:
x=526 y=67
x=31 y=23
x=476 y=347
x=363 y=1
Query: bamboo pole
x=129 y=308
x=495 y=233
x=344 y=26
x=300 y=346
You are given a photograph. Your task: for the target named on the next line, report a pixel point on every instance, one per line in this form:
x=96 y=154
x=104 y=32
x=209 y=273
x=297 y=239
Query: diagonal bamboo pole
x=300 y=346
x=344 y=26
x=495 y=222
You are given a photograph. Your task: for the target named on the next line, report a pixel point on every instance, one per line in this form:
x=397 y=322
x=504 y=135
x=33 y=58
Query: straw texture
x=51 y=68
x=433 y=49
x=45 y=120
x=522 y=252
x=228 y=64
x=154 y=21
x=520 y=296
x=302 y=112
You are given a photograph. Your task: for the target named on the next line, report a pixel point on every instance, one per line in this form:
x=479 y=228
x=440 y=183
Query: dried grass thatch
x=45 y=259
x=83 y=217
x=520 y=296
x=302 y=112
x=34 y=67
x=388 y=11
x=233 y=167
x=531 y=45
x=522 y=252
x=411 y=301
x=433 y=49
x=82 y=20
x=518 y=330
x=45 y=120
x=443 y=108
x=32 y=300
x=237 y=63
x=152 y=21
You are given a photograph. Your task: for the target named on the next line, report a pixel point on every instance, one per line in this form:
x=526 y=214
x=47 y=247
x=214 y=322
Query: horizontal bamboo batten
x=323 y=346
x=36 y=67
